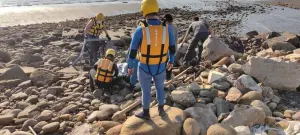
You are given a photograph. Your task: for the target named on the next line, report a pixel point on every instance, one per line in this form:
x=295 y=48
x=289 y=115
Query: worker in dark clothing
x=201 y=30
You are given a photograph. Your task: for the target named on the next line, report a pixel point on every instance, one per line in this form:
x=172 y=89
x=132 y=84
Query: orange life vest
x=155 y=44
x=104 y=70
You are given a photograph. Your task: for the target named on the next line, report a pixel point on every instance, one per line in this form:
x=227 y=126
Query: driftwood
x=119 y=116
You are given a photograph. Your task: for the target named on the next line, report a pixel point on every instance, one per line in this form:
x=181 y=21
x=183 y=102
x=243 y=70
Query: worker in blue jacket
x=153 y=41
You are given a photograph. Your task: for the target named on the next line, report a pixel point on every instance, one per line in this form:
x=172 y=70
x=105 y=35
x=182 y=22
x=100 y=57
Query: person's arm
x=116 y=70
x=135 y=42
x=87 y=27
x=106 y=33
x=172 y=48
x=190 y=29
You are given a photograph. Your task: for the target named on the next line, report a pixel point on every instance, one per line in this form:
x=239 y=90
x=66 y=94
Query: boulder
x=245 y=83
x=276 y=74
x=6 y=119
x=183 y=97
x=194 y=88
x=214 y=75
x=27 y=123
x=29 y=58
x=234 y=95
x=249 y=97
x=214 y=49
x=106 y=125
x=261 y=105
x=14 y=73
x=279 y=45
x=245 y=116
x=51 y=127
x=235 y=68
x=115 y=130
x=221 y=129
x=222 y=85
x=42 y=77
x=191 y=127
x=221 y=105
x=204 y=117
x=169 y=124
x=4 y=56
x=242 y=130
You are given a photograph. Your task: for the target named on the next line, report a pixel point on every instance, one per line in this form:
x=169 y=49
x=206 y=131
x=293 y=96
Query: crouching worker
x=154 y=41
x=106 y=70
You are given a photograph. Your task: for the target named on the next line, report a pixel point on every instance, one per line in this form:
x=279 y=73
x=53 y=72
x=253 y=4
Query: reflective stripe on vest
x=154 y=47
x=96 y=28
x=104 y=70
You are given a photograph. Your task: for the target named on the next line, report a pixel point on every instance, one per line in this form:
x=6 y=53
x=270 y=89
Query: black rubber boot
x=161 y=110
x=144 y=114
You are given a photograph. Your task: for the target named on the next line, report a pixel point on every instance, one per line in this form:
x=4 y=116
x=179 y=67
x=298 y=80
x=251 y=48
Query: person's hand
x=130 y=71
x=108 y=37
x=169 y=66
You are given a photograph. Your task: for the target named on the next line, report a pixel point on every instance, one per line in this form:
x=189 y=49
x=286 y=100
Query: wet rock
x=222 y=106
x=191 y=127
x=221 y=85
x=38 y=126
x=194 y=88
x=234 y=95
x=214 y=75
x=261 y=105
x=27 y=123
x=45 y=115
x=221 y=129
x=51 y=127
x=249 y=97
x=115 y=130
x=14 y=73
x=252 y=33
x=279 y=77
x=183 y=96
x=245 y=83
x=242 y=130
x=245 y=116
x=204 y=117
x=6 y=119
x=42 y=77
x=235 y=68
x=157 y=124
x=272 y=35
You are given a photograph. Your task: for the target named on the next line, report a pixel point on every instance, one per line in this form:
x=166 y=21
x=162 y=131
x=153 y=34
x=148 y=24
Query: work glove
x=108 y=37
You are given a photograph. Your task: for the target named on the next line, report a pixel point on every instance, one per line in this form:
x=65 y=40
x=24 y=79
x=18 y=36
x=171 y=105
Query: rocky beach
x=248 y=82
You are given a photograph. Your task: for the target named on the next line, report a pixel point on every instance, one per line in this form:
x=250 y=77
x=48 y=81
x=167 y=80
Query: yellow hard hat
x=149 y=6
x=100 y=16
x=111 y=52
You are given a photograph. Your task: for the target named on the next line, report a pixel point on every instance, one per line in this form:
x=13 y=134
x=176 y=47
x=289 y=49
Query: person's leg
x=145 y=81
x=203 y=37
x=160 y=93
x=190 y=53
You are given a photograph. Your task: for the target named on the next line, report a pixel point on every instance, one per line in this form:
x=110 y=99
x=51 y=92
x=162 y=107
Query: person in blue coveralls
x=154 y=41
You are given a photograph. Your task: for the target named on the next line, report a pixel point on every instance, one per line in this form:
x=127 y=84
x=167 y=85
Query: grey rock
x=45 y=115
x=245 y=83
x=6 y=119
x=236 y=68
x=4 y=56
x=19 y=96
x=221 y=85
x=38 y=126
x=221 y=105
x=183 y=96
x=42 y=77
x=14 y=73
x=55 y=90
x=261 y=105
x=51 y=127
x=194 y=88
x=27 y=123
x=33 y=99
